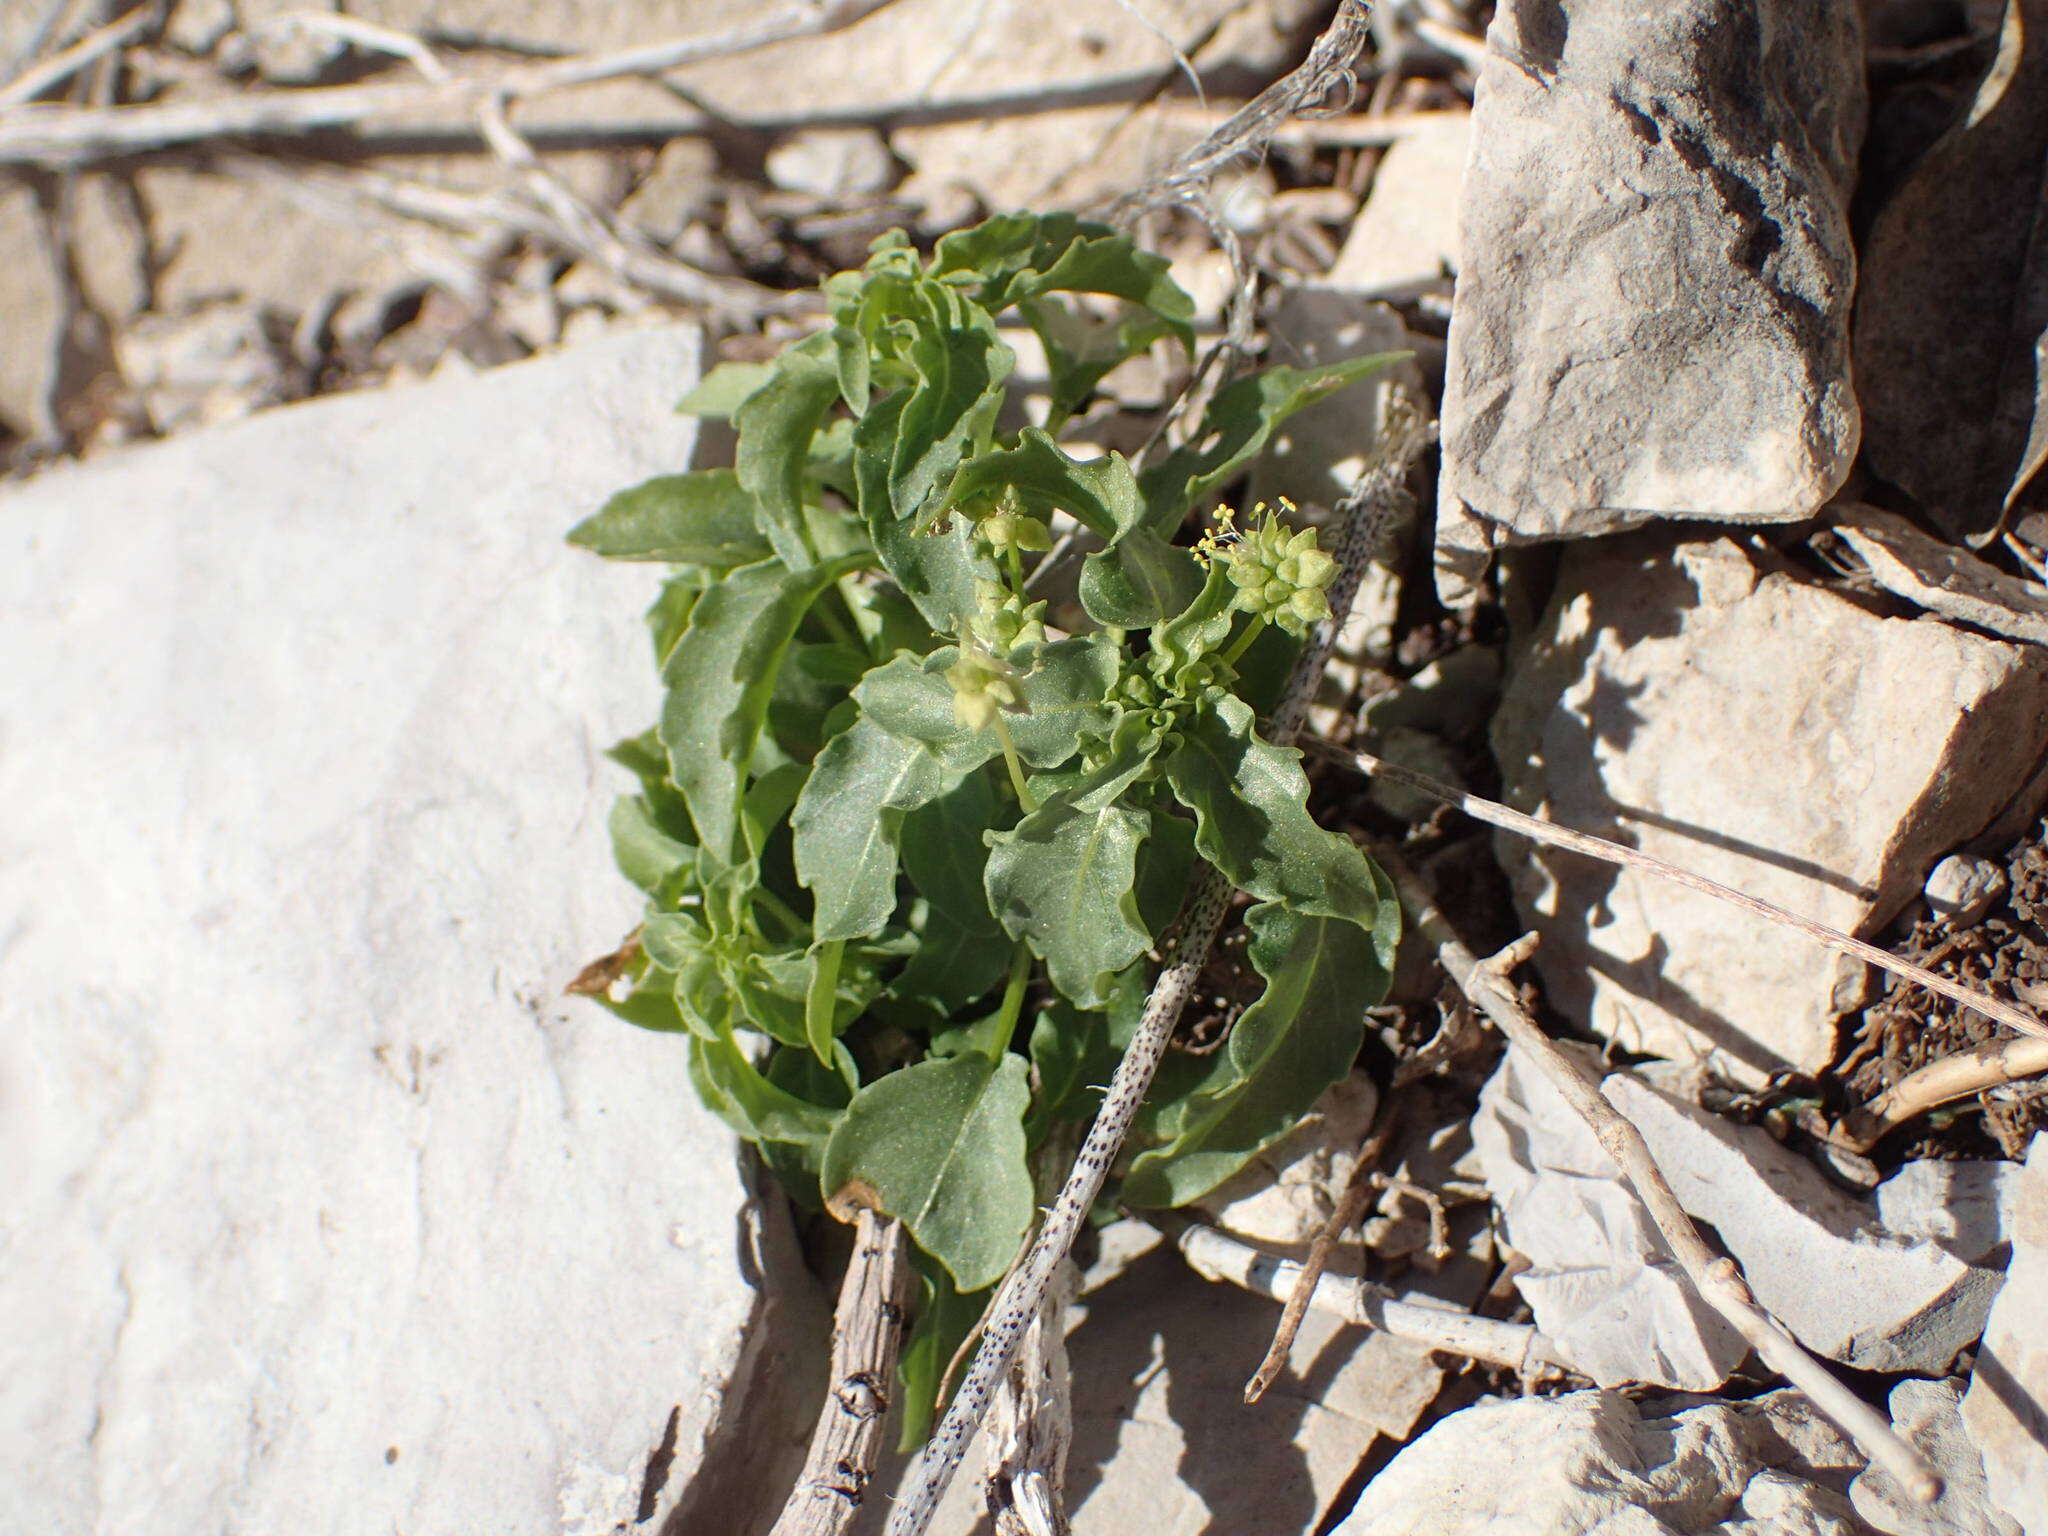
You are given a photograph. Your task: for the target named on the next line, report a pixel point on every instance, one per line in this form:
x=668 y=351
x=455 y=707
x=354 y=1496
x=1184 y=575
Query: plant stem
x=1013 y=990
x=1024 y=795
x=1244 y=641
x=1016 y=564
x=775 y=904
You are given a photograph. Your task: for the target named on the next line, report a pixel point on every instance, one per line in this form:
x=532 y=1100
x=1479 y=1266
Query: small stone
x=1926 y=1414
x=1405 y=239
x=1652 y=307
x=833 y=163
x=1962 y=887
x=1967 y=1207
x=1942 y=578
x=2006 y=1408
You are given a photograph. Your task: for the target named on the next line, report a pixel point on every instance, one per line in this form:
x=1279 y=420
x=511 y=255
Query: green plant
x=907 y=851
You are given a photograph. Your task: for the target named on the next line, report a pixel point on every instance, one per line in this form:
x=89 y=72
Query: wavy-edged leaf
x=1102 y=494
x=950 y=412
x=704 y=517
x=1139 y=580
x=1301 y=1036
x=1018 y=256
x=776 y=424
x=720 y=676
x=1236 y=428
x=848 y=823
x=1250 y=800
x=940 y=1146
x=936 y=566
x=1074 y=1052
x=643 y=849
x=1197 y=631
x=1065 y=880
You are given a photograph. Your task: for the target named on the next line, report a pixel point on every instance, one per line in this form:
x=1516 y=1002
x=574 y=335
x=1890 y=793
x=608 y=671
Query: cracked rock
x=1620 y=1311
x=1676 y=342
x=1692 y=701
x=326 y=1211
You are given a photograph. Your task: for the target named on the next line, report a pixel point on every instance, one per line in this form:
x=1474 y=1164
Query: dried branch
x=1018 y=1301
x=1718 y=1279
x=1358 y=1189
x=1539 y=830
x=867 y=1331
x=1216 y=1255
x=1941 y=1082
x=1031 y=1424
x=35 y=80
x=53 y=135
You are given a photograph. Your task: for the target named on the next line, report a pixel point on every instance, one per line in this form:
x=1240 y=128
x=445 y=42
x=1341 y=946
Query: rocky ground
x=336 y=1215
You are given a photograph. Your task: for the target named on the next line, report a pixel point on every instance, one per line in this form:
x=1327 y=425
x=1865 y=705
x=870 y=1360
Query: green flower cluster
x=983 y=686
x=1281 y=576
x=1002 y=620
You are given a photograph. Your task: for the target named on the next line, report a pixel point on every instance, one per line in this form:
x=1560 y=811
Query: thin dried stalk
x=1539 y=830
x=867 y=1332
x=1941 y=1082
x=1718 y=1279
x=1302 y=1291
x=32 y=82
x=56 y=136
x=1218 y=1256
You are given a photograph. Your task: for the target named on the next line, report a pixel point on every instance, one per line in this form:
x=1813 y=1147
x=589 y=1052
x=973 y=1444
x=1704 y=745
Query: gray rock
x=1967 y=1207
x=1285 y=1195
x=1815 y=1257
x=2006 y=1408
x=1962 y=887
x=326 y=1212
x=1942 y=578
x=1652 y=303
x=1599 y=1280
x=1595 y=1461
x=1926 y=1413
x=832 y=163
x=1405 y=239
x=1770 y=735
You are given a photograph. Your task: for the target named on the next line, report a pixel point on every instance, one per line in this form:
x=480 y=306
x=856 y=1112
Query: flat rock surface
x=1764 y=733
x=1405 y=239
x=2006 y=1408
x=1655 y=272
x=325 y=1212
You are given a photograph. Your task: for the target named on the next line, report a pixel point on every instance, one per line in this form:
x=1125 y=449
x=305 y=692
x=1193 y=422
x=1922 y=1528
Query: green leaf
x=961 y=950
x=700 y=518
x=1100 y=493
x=1165 y=865
x=821 y=999
x=1019 y=256
x=1196 y=632
x=1063 y=693
x=724 y=389
x=848 y=823
x=1138 y=581
x=1074 y=1052
x=776 y=423
x=756 y=1108
x=1081 y=349
x=1250 y=800
x=720 y=676
x=669 y=614
x=950 y=413
x=1302 y=1035
x=1065 y=880
x=944 y=1319
x=650 y=1005
x=1235 y=429
x=936 y=566
x=645 y=853
x=941 y=1146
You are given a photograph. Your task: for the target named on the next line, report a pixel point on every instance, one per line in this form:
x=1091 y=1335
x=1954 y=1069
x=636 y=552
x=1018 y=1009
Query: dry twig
x=115 y=35
x=867 y=1331
x=1718 y=1279
x=1941 y=1082
x=1433 y=1324
x=1536 y=828
x=56 y=136
x=1031 y=1424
